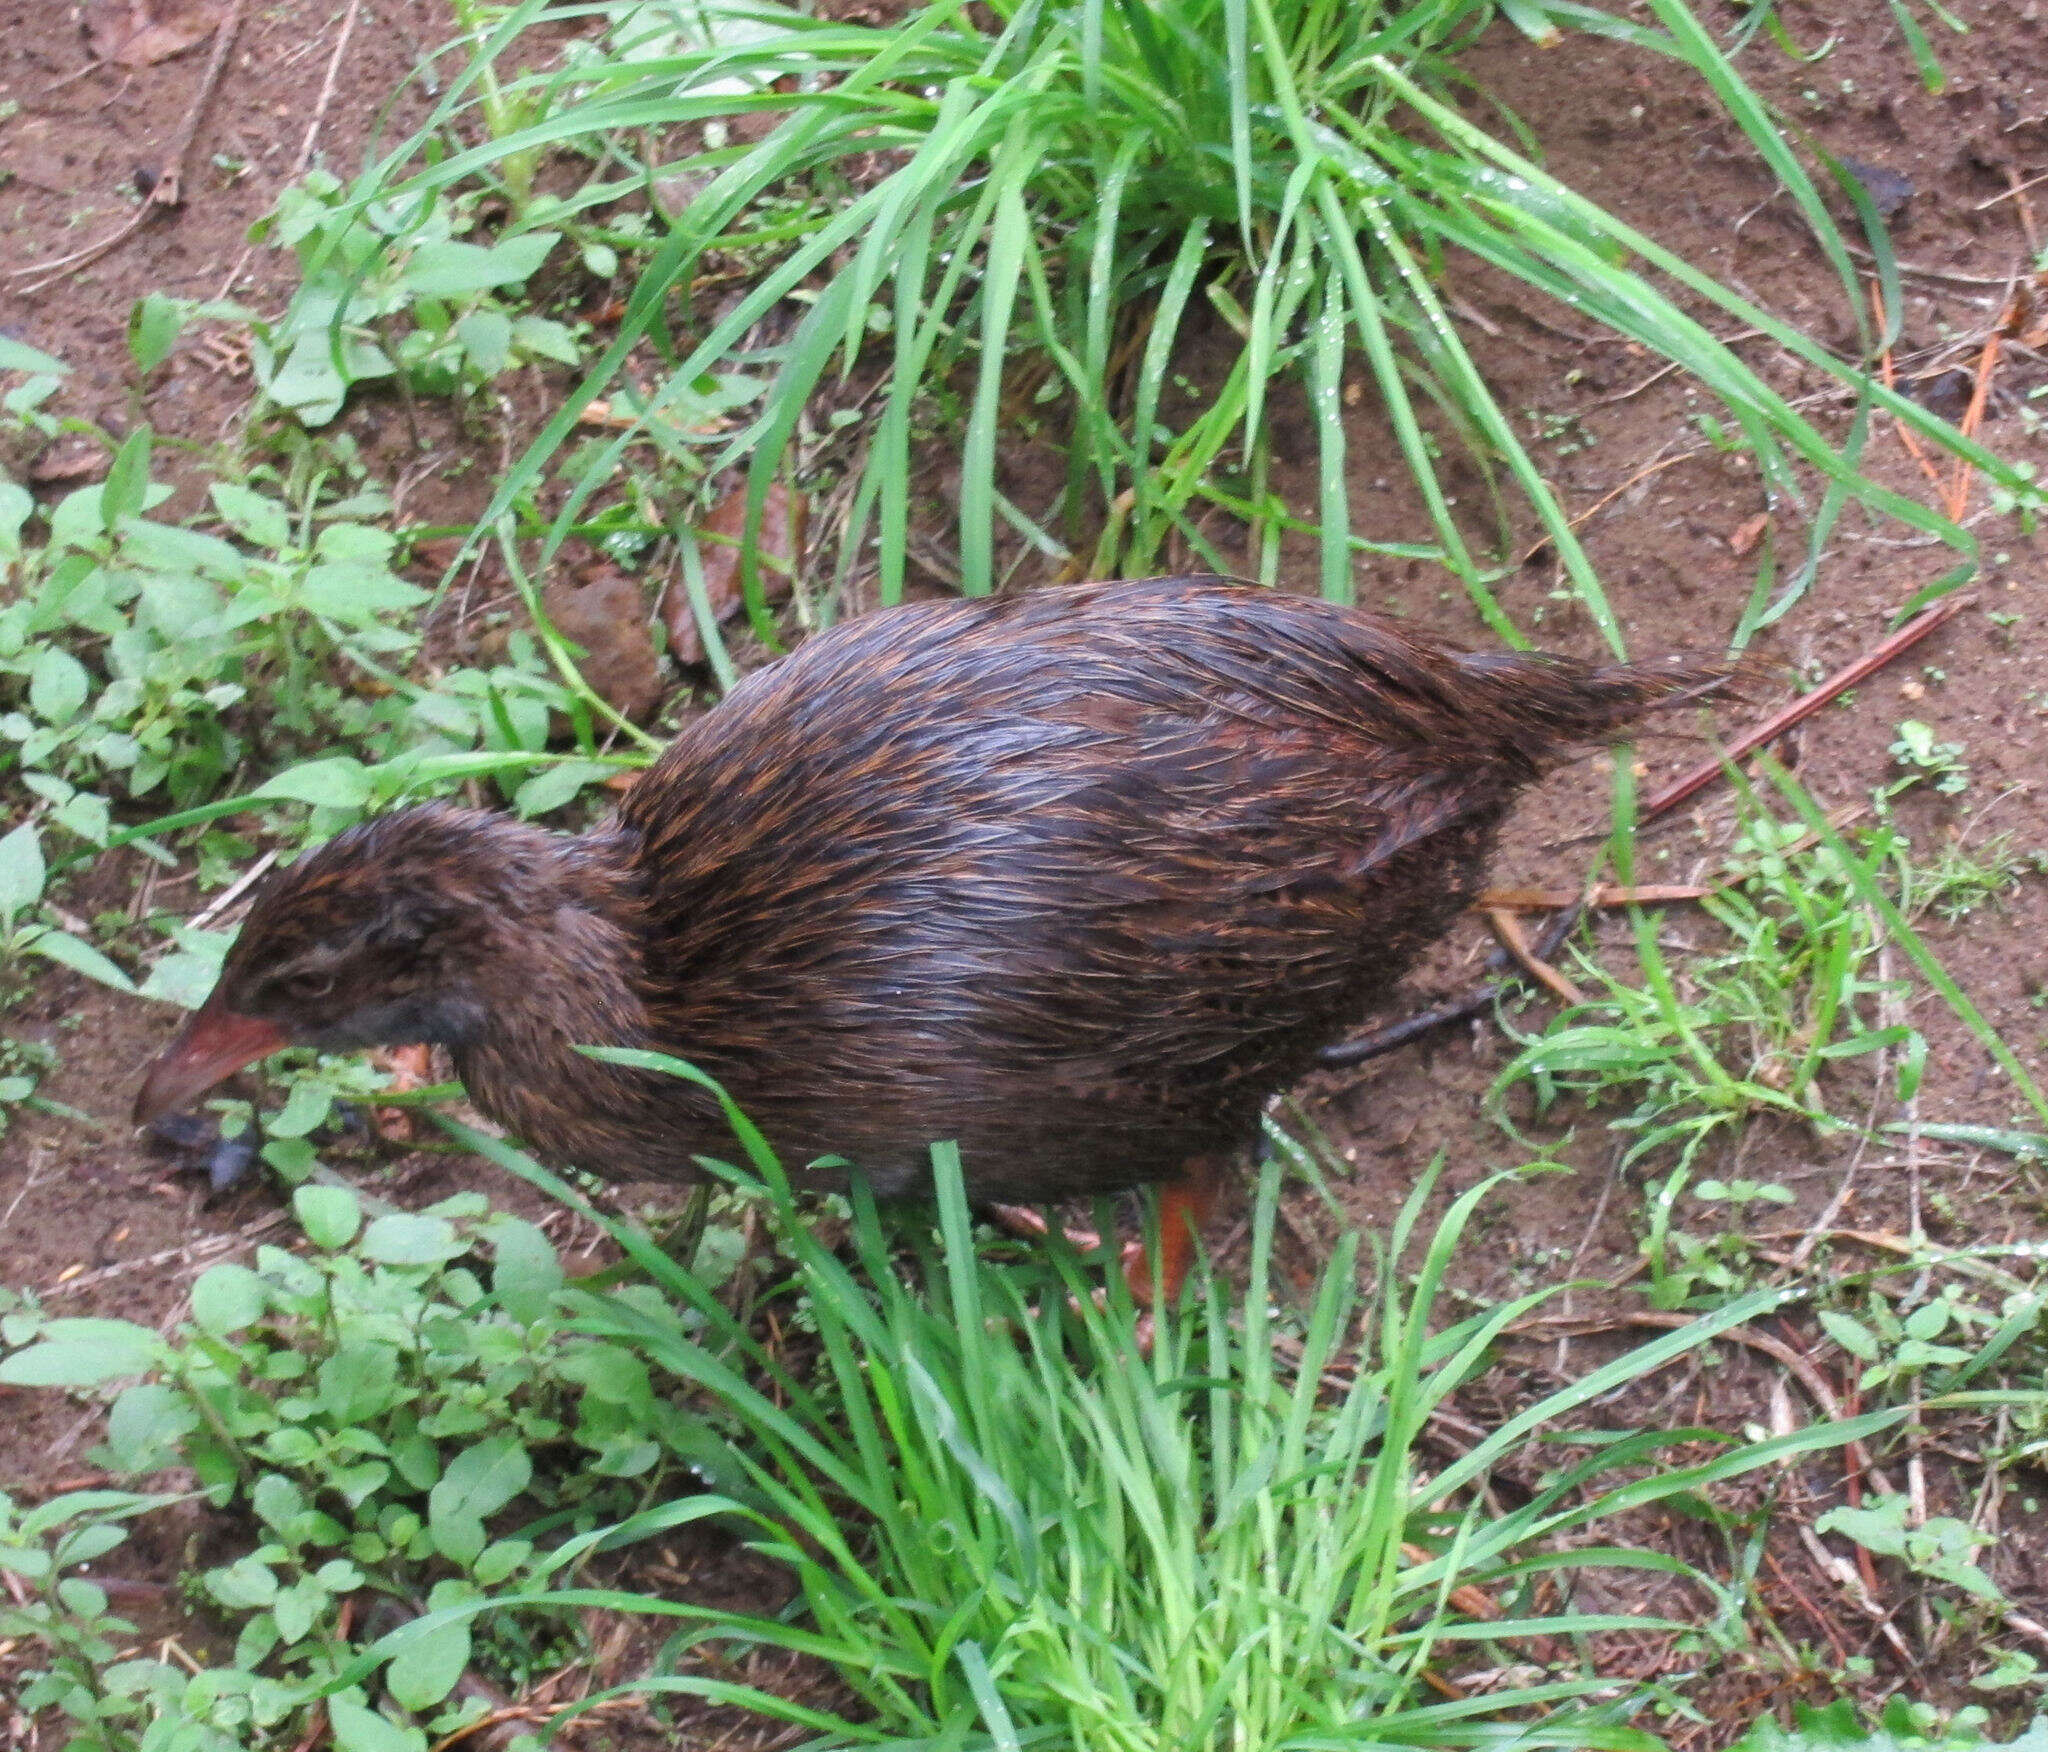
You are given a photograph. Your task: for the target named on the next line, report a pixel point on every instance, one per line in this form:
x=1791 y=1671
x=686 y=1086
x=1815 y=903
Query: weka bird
x=1077 y=878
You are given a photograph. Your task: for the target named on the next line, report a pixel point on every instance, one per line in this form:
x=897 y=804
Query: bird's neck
x=568 y=970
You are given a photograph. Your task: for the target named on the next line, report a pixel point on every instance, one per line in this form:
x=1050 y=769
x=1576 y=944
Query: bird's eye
x=309 y=985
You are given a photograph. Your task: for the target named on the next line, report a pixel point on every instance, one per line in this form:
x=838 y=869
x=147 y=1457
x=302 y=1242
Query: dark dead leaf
x=1889 y=190
x=781 y=551
x=1748 y=534
x=66 y=463
x=140 y=33
x=604 y=611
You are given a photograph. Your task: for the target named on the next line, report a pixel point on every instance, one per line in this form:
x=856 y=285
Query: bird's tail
x=1543 y=706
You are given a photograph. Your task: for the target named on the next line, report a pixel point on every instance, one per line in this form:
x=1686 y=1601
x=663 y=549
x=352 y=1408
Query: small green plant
x=141 y=660
x=23 y=1064
x=58 y=1609
x=1961 y=877
x=132 y=641
x=1924 y=758
x=1905 y=1724
x=1926 y=1343
x=398 y=294
x=1756 y=1025
x=1941 y=1548
x=27 y=924
x=1759 y=1025
x=377 y=1407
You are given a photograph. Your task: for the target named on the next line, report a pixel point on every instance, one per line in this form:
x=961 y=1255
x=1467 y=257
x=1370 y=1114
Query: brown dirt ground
x=100 y=1225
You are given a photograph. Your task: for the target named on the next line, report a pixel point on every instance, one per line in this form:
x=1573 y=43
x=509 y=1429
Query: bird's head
x=393 y=933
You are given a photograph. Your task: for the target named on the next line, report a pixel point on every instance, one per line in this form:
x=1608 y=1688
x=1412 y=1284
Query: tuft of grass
x=1024 y=211
x=1007 y=1525
x=1751 y=1027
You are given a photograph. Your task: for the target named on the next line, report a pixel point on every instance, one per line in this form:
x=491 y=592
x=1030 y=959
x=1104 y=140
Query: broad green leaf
x=355 y=593
x=22 y=872
x=246 y=1585
x=486 y=336
x=477 y=1483
x=20 y=356
x=258 y=520
x=125 y=491
x=546 y=338
x=16 y=503
x=337 y=782
x=57 y=685
x=306 y=384
x=227 y=1298
x=153 y=327
x=277 y=1501
x=305 y=1110
x=427 y=1665
x=454 y=269
x=185 y=977
x=1881 y=1529
x=80 y=956
x=1852 y=1335
x=82 y=1362
x=553 y=786
x=357 y=1728
x=400 y=1238
x=330 y=1215
x=526 y=1272
x=146 y=1425
x=358 y=1382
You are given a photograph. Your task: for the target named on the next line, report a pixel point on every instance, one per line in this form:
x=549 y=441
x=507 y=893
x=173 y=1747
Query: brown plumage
x=1077 y=878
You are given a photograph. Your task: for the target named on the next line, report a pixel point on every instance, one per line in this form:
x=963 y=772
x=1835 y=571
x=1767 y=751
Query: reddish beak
x=214 y=1044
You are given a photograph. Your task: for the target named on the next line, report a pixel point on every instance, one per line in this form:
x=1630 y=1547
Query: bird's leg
x=1184 y=1207
x=1031 y=1225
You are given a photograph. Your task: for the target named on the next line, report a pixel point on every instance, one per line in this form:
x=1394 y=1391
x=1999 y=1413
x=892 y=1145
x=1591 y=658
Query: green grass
x=1009 y=1526
x=1017 y=218
x=1785 y=990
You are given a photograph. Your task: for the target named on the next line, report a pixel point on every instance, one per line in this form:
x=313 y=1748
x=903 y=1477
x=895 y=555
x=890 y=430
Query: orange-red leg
x=1184 y=1207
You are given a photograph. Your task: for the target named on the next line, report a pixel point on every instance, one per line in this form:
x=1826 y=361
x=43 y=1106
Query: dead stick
x=326 y=97
x=1606 y=894
x=191 y=1252
x=169 y=188
x=1891 y=381
x=1806 y=705
x=1973 y=416
x=1509 y=930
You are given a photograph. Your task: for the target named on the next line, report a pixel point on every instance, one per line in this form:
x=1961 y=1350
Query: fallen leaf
x=1748 y=534
x=605 y=612
x=76 y=460
x=410 y=1068
x=144 y=32
x=780 y=549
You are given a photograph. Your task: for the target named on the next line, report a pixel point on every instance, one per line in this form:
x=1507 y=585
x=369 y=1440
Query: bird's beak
x=214 y=1044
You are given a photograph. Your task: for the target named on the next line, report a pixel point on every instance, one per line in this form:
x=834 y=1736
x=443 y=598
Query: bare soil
x=97 y=1223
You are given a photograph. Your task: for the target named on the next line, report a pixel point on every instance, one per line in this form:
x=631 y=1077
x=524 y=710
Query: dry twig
x=1849 y=675
x=168 y=190
x=1602 y=894
x=1508 y=929
x=348 y=25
